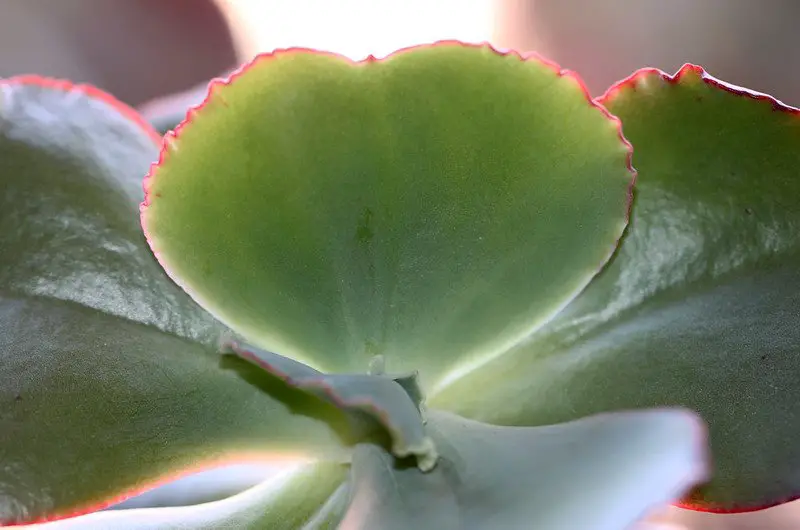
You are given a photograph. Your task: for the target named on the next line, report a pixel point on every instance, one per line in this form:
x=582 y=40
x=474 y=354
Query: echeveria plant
x=436 y=278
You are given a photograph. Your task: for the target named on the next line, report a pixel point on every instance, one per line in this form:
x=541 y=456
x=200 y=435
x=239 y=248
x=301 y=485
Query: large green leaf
x=110 y=378
x=313 y=498
x=433 y=207
x=700 y=306
x=72 y=167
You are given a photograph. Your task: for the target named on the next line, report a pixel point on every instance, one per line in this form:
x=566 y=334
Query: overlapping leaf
x=700 y=306
x=432 y=207
x=109 y=375
x=168 y=112
x=604 y=473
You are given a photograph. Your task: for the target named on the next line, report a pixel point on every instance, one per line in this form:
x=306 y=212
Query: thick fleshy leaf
x=603 y=473
x=313 y=498
x=375 y=395
x=700 y=306
x=432 y=207
x=110 y=379
x=71 y=164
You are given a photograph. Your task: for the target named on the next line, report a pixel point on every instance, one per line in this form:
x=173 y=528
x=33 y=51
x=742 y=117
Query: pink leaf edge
x=214 y=96
x=630 y=84
x=91 y=91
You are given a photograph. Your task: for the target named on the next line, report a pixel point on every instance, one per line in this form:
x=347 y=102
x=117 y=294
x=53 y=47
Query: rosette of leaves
x=414 y=271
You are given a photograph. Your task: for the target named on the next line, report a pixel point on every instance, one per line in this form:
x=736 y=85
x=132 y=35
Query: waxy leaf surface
x=603 y=473
x=699 y=308
x=313 y=498
x=433 y=207
x=110 y=378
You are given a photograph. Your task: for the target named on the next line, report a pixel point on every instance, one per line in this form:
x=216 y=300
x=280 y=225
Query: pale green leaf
x=433 y=207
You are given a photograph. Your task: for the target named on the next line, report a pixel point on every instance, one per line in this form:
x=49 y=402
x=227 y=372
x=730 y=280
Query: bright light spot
x=355 y=28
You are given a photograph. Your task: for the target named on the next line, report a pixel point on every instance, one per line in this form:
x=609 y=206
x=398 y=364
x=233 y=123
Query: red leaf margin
x=134 y=117
x=630 y=84
x=167 y=141
x=213 y=97
x=90 y=91
x=626 y=84
x=163 y=480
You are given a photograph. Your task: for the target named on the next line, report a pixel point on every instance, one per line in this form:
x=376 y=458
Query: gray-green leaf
x=604 y=472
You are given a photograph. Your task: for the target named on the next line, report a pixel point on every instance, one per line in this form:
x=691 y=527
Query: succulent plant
x=435 y=278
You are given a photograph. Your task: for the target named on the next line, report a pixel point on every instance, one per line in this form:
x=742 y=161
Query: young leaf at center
x=377 y=396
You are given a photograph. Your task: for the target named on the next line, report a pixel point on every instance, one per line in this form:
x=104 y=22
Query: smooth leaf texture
x=72 y=166
x=376 y=395
x=313 y=498
x=109 y=374
x=603 y=473
x=433 y=207
x=700 y=306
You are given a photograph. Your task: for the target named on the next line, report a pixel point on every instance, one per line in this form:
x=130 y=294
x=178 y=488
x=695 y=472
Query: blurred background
x=135 y=49
x=158 y=55
x=143 y=49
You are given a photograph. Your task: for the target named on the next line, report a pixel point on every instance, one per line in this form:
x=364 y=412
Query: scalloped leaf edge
x=170 y=143
x=686 y=71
